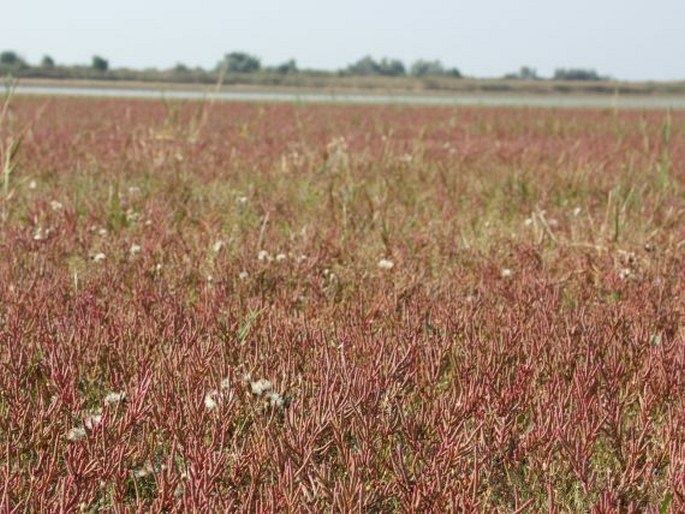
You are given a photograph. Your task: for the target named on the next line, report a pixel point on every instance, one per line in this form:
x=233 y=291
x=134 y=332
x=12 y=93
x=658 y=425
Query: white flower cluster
x=630 y=266
x=218 y=246
x=214 y=397
x=386 y=264
x=264 y=256
x=41 y=234
x=93 y=420
x=261 y=388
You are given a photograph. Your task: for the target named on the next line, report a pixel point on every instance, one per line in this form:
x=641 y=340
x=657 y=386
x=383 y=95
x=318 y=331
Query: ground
x=226 y=306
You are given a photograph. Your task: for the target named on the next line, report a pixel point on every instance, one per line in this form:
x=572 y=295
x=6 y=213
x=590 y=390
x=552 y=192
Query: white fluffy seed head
x=210 y=402
x=143 y=471
x=39 y=234
x=386 y=264
x=114 y=398
x=261 y=386
x=276 y=400
x=92 y=421
x=76 y=434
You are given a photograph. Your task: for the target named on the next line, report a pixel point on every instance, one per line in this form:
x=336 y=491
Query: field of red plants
x=275 y=307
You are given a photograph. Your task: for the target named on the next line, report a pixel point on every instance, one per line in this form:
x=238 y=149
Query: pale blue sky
x=628 y=39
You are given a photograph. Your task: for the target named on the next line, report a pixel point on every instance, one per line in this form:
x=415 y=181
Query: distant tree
x=524 y=73
x=11 y=59
x=287 y=67
x=576 y=74
x=239 y=62
x=422 y=68
x=181 y=68
x=364 y=66
x=47 y=62
x=99 y=63
x=368 y=66
x=391 y=67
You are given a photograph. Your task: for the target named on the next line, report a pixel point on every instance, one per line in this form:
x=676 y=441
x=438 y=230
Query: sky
x=625 y=39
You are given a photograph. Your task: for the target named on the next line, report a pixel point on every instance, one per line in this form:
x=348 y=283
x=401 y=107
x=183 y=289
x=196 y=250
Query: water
x=472 y=99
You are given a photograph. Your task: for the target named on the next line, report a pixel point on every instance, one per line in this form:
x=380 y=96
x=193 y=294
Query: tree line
x=244 y=63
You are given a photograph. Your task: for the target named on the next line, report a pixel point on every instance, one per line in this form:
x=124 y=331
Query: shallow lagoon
x=472 y=99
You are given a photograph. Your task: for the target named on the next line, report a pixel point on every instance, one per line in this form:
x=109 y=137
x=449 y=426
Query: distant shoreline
x=434 y=86
x=260 y=93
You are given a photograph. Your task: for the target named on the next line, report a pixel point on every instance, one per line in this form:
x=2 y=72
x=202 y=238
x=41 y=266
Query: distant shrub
x=576 y=74
x=47 y=62
x=239 y=62
x=424 y=68
x=524 y=73
x=99 y=64
x=10 y=59
x=385 y=67
x=391 y=67
x=287 y=67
